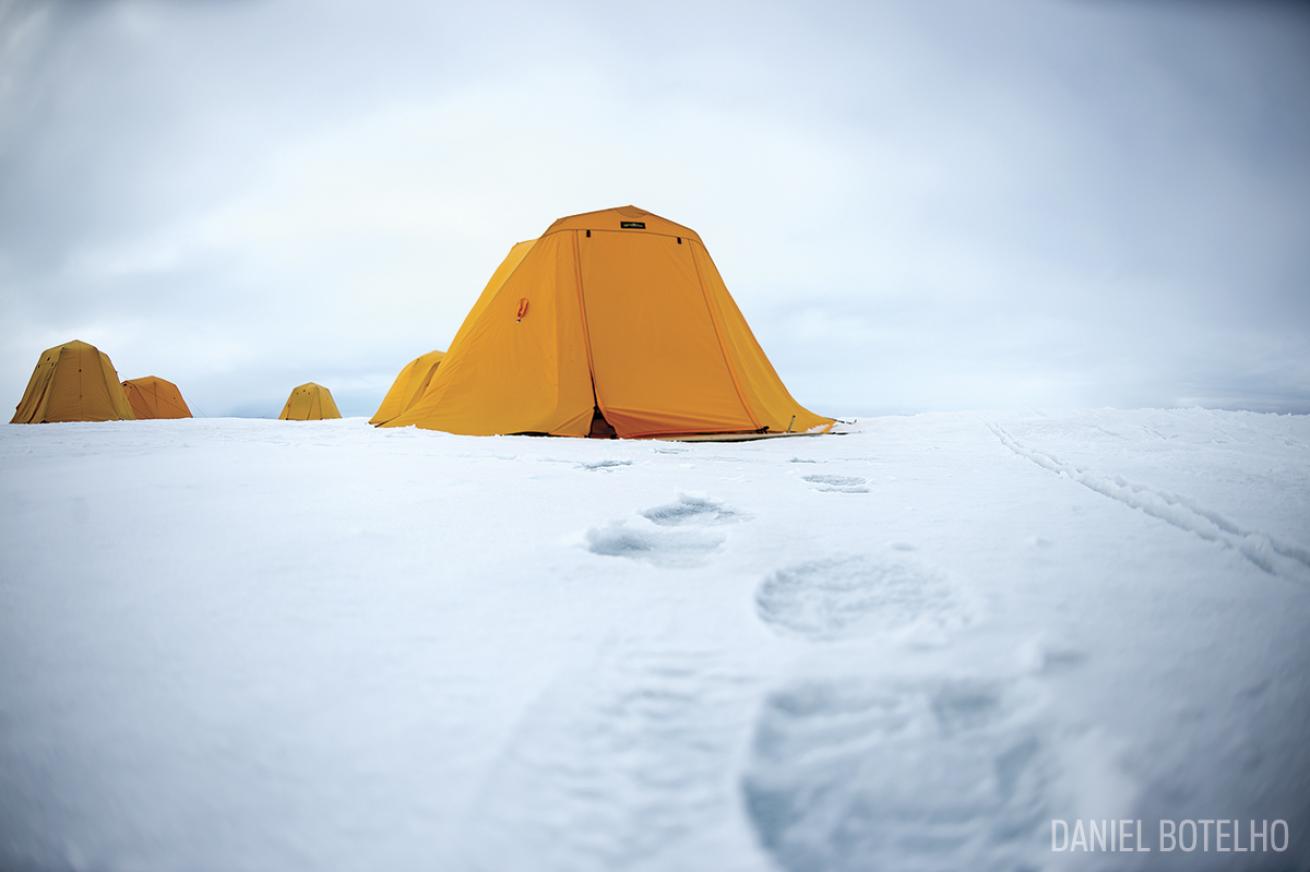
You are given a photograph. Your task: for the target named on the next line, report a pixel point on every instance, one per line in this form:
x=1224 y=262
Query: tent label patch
x=632 y=225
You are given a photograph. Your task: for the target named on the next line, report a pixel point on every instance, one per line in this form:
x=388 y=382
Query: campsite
x=751 y=437
x=733 y=639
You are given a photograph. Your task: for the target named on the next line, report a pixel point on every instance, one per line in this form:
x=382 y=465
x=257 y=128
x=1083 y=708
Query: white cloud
x=915 y=207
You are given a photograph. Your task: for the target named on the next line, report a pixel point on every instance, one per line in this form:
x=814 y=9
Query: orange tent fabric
x=72 y=382
x=617 y=319
x=155 y=397
x=309 y=402
x=408 y=386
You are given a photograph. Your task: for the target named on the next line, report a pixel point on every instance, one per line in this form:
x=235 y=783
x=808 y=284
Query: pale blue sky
x=918 y=206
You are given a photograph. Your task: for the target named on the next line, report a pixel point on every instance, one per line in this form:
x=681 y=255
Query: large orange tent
x=72 y=382
x=611 y=323
x=408 y=386
x=309 y=402
x=155 y=397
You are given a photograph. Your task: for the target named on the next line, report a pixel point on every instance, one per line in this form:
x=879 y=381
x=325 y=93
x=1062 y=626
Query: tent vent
x=680 y=240
x=588 y=234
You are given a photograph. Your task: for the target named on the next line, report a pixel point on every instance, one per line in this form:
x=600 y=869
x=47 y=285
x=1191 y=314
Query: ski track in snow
x=859 y=595
x=1265 y=551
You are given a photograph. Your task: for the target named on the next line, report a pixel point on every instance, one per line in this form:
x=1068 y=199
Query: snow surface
x=265 y=645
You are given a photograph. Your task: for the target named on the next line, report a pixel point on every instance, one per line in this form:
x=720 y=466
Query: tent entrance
x=600 y=428
x=653 y=346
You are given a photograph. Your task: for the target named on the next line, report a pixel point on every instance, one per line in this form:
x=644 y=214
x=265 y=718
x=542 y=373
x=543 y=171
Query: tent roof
x=613 y=219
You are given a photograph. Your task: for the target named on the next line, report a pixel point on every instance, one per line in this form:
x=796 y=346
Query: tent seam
x=620 y=232
x=718 y=334
x=586 y=327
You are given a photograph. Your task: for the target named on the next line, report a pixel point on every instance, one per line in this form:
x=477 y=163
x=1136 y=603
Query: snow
x=264 y=645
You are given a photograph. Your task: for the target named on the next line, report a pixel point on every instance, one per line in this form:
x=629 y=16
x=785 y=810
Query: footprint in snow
x=604 y=464
x=842 y=484
x=620 y=763
x=688 y=510
x=861 y=595
x=684 y=547
x=668 y=548
x=943 y=774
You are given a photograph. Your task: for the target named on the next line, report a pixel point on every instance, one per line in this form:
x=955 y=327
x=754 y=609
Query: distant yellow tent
x=408 y=386
x=309 y=402
x=155 y=397
x=611 y=323
x=73 y=382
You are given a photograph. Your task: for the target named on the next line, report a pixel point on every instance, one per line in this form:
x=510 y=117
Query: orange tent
x=154 y=397
x=611 y=323
x=408 y=386
x=72 y=382
x=309 y=402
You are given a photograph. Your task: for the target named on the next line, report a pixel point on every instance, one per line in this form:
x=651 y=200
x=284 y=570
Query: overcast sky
x=917 y=205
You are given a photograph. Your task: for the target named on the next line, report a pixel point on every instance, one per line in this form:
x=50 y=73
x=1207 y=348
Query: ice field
x=257 y=645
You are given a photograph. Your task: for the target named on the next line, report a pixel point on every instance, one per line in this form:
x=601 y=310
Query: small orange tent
x=611 y=323
x=72 y=382
x=408 y=386
x=155 y=397
x=309 y=402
